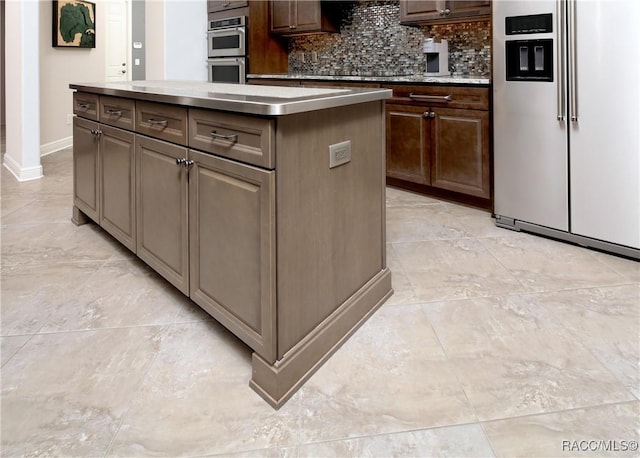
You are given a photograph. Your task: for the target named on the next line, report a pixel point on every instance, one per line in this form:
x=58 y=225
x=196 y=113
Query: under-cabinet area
x=246 y=215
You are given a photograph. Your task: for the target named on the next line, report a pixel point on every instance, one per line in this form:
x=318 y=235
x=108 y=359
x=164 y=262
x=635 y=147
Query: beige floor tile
x=120 y=293
x=605 y=320
x=399 y=198
x=10 y=203
x=64 y=394
x=55 y=242
x=571 y=433
x=431 y=222
x=454 y=269
x=402 y=290
x=476 y=222
x=535 y=372
x=51 y=210
x=543 y=265
x=32 y=295
x=455 y=442
x=199 y=381
x=628 y=268
x=9 y=346
x=390 y=376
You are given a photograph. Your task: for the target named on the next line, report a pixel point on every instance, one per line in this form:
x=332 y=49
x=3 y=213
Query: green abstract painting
x=74 y=24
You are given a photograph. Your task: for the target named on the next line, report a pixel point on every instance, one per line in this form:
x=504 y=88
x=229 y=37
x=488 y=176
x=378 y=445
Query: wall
x=174 y=50
x=372 y=42
x=185 y=27
x=58 y=68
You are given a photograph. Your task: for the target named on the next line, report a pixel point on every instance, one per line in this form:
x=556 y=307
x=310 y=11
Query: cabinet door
x=433 y=11
x=460 y=151
x=232 y=232
x=407 y=133
x=280 y=14
x=86 y=148
x=467 y=9
x=412 y=11
x=307 y=16
x=117 y=185
x=213 y=6
x=162 y=209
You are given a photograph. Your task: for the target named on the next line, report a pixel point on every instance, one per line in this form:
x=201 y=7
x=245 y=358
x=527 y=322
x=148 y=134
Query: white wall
x=58 y=68
x=185 y=26
x=175 y=49
x=154 y=39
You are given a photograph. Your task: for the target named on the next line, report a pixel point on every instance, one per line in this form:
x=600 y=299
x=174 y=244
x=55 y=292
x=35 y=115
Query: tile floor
x=494 y=344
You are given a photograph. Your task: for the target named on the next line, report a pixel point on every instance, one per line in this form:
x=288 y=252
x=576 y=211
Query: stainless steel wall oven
x=227 y=50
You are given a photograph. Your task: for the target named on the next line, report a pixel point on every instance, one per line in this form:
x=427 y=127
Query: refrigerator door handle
x=560 y=88
x=573 y=68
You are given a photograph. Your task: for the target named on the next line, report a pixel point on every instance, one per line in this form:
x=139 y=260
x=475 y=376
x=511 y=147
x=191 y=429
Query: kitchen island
x=264 y=205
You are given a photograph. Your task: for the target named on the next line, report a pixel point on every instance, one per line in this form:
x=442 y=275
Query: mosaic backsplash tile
x=372 y=42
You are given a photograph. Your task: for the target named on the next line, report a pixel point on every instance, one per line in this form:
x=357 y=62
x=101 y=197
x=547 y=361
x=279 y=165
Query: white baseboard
x=57 y=145
x=22 y=173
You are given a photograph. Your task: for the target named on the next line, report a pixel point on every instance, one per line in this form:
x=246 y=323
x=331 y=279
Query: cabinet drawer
x=85 y=105
x=473 y=98
x=117 y=112
x=244 y=138
x=168 y=122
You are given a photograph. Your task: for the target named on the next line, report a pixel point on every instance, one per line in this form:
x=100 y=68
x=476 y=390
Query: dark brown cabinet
x=438 y=138
x=436 y=11
x=290 y=17
x=214 y=6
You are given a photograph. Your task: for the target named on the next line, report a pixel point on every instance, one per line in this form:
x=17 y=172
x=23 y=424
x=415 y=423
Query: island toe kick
x=277 y=382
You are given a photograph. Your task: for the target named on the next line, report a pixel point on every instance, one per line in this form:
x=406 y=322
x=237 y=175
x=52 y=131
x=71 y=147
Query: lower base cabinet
x=163 y=218
x=232 y=247
x=438 y=142
x=104 y=189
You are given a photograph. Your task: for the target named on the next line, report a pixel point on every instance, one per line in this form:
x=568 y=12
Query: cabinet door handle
x=180 y=161
x=447 y=11
x=114 y=112
x=233 y=138
x=158 y=122
x=431 y=98
x=96 y=132
x=428 y=114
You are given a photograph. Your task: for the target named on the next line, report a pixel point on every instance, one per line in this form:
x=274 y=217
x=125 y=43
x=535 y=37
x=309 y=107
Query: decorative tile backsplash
x=372 y=42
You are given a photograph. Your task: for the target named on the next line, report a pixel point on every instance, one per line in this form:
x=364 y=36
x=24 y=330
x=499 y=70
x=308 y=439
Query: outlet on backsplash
x=372 y=42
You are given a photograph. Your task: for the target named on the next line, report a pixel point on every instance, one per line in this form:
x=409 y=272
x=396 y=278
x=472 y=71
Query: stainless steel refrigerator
x=566 y=117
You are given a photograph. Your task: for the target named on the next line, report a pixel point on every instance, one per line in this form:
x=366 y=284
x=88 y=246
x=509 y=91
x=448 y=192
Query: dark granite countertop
x=400 y=79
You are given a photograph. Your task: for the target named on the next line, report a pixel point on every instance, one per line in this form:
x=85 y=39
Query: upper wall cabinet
x=413 y=12
x=214 y=6
x=291 y=17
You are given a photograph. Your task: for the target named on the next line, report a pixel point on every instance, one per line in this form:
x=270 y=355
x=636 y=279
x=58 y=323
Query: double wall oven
x=227 y=50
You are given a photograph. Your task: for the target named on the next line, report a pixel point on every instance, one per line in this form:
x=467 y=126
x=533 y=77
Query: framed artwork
x=74 y=24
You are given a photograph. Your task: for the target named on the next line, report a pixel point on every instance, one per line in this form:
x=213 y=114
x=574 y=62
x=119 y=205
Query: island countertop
x=241 y=98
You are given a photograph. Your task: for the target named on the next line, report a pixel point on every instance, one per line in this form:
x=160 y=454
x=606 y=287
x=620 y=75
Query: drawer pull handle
x=233 y=138
x=83 y=106
x=431 y=98
x=158 y=122
x=114 y=112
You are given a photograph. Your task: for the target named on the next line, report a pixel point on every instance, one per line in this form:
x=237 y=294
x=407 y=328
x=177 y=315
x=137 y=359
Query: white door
x=117 y=40
x=605 y=141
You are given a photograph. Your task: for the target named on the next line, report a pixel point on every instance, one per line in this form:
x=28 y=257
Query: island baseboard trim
x=277 y=382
